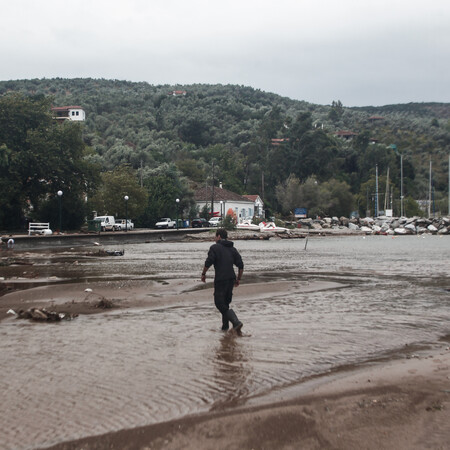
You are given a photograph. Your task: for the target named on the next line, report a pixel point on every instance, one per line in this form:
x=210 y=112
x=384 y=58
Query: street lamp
x=60 y=193
x=126 y=198
x=221 y=206
x=178 y=202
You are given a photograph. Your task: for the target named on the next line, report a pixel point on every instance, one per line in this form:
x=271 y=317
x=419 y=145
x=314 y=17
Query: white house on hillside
x=224 y=200
x=69 y=113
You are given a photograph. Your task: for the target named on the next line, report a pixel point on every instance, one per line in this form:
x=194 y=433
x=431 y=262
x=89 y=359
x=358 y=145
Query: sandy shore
x=401 y=403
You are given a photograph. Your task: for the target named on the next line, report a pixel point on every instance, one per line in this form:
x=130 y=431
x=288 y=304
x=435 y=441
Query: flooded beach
x=308 y=308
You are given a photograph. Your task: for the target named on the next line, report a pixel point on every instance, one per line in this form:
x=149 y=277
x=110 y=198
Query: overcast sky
x=362 y=52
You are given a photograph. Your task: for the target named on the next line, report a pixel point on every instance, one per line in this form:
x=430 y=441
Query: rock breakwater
x=381 y=225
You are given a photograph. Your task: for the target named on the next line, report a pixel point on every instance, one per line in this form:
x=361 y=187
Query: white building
x=259 y=204
x=223 y=201
x=75 y=113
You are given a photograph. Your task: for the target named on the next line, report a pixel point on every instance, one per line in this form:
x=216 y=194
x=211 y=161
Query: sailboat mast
x=429 y=194
x=401 y=185
x=386 y=195
x=376 y=190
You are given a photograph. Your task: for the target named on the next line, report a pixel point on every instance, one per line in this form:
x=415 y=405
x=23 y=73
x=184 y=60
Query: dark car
x=199 y=223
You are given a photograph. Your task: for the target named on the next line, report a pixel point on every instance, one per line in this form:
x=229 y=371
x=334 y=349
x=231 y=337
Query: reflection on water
x=140 y=366
x=232 y=371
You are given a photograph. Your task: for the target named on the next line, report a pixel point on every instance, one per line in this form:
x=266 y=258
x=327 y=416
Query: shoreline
x=402 y=402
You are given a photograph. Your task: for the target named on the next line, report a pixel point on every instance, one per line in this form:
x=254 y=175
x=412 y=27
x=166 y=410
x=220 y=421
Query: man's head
x=221 y=233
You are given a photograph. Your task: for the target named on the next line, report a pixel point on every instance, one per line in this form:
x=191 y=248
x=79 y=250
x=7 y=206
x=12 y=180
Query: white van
x=107 y=223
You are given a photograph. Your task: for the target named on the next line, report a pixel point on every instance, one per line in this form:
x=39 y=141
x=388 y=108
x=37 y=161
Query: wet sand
x=401 y=403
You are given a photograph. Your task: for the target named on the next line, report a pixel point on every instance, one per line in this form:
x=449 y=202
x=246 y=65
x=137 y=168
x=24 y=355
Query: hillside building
x=75 y=113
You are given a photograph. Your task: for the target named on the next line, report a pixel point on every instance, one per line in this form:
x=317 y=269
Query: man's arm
x=205 y=269
x=238 y=279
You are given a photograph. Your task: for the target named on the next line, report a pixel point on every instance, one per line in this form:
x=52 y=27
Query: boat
x=271 y=227
x=247 y=225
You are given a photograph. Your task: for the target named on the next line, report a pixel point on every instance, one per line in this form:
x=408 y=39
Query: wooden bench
x=38 y=228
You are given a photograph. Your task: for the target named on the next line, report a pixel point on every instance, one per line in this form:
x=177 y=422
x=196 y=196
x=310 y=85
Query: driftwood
x=42 y=315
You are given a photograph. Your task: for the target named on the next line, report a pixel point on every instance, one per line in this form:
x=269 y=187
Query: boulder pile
x=382 y=225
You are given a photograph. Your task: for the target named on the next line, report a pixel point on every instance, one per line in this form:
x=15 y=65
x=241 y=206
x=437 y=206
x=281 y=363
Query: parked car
x=215 y=221
x=121 y=225
x=107 y=223
x=199 y=223
x=166 y=222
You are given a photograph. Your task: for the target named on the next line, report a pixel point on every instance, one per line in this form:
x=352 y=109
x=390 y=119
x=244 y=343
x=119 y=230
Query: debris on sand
x=102 y=252
x=104 y=304
x=42 y=315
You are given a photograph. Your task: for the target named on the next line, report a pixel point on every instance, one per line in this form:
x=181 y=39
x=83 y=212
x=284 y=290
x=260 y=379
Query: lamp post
x=126 y=198
x=178 y=202
x=221 y=206
x=60 y=193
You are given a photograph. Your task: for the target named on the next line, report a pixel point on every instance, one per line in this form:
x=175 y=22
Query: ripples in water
x=140 y=366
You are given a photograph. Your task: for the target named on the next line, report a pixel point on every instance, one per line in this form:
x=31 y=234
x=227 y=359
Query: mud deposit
x=159 y=354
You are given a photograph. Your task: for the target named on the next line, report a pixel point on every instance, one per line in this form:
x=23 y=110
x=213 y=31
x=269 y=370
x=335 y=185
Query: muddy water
x=139 y=366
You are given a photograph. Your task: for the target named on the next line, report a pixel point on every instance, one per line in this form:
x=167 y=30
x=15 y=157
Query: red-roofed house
x=68 y=113
x=346 y=134
x=277 y=142
x=223 y=200
x=376 y=118
x=178 y=93
x=259 y=204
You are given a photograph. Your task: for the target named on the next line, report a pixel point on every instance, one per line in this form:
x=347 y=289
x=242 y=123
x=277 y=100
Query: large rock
x=411 y=227
x=353 y=226
x=367 y=221
x=432 y=228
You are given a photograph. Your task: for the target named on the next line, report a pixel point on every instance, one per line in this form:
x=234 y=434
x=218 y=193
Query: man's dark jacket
x=223 y=256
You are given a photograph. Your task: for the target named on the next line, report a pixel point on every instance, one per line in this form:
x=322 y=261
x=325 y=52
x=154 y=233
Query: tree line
x=141 y=139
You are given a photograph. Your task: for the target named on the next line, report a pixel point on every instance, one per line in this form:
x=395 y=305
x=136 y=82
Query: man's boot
x=225 y=322
x=237 y=324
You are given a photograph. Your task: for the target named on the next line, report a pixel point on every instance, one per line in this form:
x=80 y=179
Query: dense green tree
x=110 y=197
x=336 y=198
x=164 y=185
x=148 y=128
x=39 y=157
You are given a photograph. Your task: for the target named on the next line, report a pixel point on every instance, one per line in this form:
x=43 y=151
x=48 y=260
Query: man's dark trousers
x=223 y=294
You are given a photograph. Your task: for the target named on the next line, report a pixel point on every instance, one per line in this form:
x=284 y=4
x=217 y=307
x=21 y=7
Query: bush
x=228 y=223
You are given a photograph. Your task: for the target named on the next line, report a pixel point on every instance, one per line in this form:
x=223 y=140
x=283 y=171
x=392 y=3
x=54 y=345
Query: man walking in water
x=223 y=255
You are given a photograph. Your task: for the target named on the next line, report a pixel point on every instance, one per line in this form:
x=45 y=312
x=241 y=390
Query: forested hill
x=185 y=129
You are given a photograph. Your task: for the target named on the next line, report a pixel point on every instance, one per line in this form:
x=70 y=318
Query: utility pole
x=212 y=191
x=262 y=186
